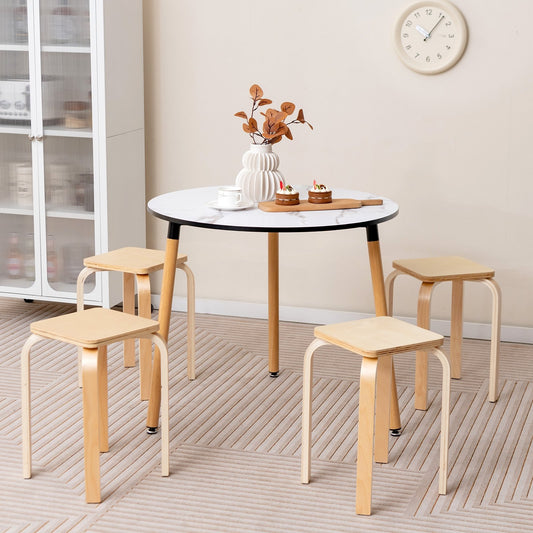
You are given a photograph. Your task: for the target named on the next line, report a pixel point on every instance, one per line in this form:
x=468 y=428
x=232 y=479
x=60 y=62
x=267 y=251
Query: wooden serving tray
x=304 y=205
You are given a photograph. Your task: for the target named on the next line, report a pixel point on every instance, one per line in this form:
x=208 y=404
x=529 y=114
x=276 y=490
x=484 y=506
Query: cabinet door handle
x=39 y=138
x=31 y=137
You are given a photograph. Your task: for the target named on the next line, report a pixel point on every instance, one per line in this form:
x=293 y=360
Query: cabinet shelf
x=17 y=129
x=12 y=47
x=61 y=131
x=73 y=213
x=6 y=209
x=66 y=49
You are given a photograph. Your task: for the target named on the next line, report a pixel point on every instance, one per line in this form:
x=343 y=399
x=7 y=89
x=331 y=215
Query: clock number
x=439 y=56
x=429 y=12
x=448 y=47
x=408 y=47
x=449 y=23
x=417 y=54
x=417 y=15
x=405 y=35
x=451 y=35
x=428 y=59
x=409 y=23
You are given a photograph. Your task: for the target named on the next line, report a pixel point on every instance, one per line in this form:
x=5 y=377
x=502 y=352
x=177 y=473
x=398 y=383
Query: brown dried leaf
x=300 y=116
x=276 y=139
x=281 y=128
x=271 y=113
x=247 y=128
x=264 y=101
x=309 y=125
x=241 y=114
x=256 y=91
x=280 y=116
x=288 y=134
x=253 y=124
x=288 y=107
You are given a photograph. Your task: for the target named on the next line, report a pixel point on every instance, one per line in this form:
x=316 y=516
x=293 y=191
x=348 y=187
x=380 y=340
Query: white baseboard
x=471 y=330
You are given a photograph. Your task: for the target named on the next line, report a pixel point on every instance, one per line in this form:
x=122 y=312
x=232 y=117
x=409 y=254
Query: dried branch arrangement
x=274 y=126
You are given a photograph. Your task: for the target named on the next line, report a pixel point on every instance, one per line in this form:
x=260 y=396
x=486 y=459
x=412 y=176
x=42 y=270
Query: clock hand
x=431 y=31
x=423 y=32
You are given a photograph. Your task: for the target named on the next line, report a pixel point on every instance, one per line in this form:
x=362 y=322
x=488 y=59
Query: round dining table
x=197 y=207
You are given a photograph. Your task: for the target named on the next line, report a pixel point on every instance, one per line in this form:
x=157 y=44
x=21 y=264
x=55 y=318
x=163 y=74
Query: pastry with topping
x=286 y=195
x=319 y=194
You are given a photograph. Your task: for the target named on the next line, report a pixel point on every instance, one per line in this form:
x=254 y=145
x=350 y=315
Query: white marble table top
x=189 y=207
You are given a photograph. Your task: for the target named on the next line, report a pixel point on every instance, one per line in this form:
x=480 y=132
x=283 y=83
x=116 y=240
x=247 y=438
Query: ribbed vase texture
x=260 y=177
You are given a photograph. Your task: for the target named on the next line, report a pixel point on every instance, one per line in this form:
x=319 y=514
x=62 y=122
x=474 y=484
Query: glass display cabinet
x=71 y=143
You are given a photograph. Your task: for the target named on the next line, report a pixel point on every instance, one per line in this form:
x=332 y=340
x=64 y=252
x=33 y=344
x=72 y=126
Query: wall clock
x=430 y=36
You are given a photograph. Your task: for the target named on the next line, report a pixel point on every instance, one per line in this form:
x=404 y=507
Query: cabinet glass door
x=17 y=222
x=67 y=142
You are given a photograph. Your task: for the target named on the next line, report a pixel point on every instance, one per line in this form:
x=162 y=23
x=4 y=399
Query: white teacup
x=229 y=196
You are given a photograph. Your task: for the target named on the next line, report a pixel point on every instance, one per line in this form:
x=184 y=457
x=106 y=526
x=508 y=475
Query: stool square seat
x=94 y=327
x=131 y=260
x=445 y=268
x=374 y=337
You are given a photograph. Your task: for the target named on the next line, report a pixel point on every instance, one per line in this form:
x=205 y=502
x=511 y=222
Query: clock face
x=430 y=36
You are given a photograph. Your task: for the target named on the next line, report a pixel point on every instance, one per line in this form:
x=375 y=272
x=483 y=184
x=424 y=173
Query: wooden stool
x=137 y=264
x=376 y=340
x=93 y=330
x=433 y=270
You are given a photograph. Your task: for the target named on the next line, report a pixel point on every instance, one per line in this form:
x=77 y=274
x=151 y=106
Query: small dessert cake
x=286 y=195
x=319 y=194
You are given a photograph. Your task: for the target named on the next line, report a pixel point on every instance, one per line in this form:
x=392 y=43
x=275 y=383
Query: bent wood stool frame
x=136 y=264
x=434 y=270
x=376 y=340
x=92 y=330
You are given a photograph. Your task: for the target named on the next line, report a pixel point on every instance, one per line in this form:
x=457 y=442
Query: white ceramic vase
x=260 y=177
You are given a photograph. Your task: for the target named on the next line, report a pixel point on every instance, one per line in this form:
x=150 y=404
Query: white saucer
x=244 y=204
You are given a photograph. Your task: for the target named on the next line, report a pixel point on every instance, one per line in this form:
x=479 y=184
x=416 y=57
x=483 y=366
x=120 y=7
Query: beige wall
x=454 y=150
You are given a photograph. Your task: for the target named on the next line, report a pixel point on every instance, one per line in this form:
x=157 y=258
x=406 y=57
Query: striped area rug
x=235 y=440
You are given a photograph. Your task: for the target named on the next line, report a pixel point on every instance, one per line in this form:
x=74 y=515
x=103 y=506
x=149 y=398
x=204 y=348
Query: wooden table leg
x=273 y=304
x=165 y=308
x=380 y=302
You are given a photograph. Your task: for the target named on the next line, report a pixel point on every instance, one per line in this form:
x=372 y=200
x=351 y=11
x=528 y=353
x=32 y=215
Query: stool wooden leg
x=128 y=306
x=191 y=299
x=445 y=420
x=103 y=424
x=389 y=290
x=421 y=375
x=82 y=276
x=26 y=404
x=383 y=394
x=456 y=333
x=91 y=417
x=307 y=424
x=365 y=448
x=495 y=337
x=144 y=293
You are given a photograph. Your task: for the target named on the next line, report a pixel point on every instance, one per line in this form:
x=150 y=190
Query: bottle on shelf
x=62 y=24
x=14 y=257
x=29 y=258
x=52 y=267
x=20 y=15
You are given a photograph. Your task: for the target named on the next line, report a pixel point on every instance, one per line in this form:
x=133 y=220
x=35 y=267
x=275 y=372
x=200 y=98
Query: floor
x=235 y=439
